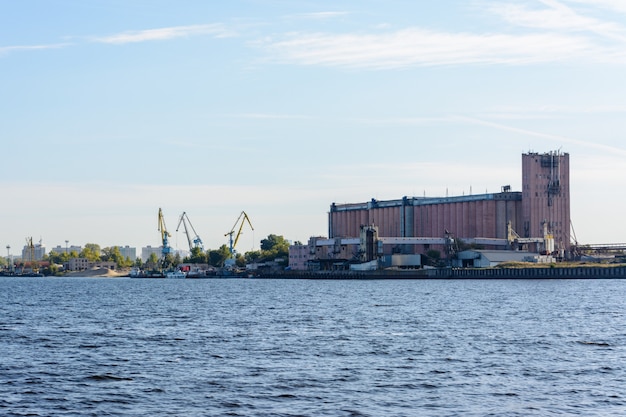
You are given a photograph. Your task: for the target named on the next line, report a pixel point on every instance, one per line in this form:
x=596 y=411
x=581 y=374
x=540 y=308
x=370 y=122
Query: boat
x=178 y=274
x=139 y=273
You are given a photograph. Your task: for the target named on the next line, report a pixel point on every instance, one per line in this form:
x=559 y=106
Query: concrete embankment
x=466 y=273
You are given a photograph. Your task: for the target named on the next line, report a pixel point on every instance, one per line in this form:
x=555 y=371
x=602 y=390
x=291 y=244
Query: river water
x=251 y=347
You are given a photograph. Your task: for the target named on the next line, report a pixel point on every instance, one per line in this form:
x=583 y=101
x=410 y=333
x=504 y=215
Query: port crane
x=243 y=217
x=194 y=242
x=165 y=235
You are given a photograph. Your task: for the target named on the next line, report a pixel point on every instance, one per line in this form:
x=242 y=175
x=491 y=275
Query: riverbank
x=504 y=271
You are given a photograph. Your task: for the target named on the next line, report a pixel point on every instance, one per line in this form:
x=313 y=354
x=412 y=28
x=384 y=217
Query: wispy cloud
x=216 y=30
x=557 y=16
x=419 y=47
x=160 y=34
x=547 y=31
x=613 y=5
x=550 y=111
x=4 y=50
x=557 y=138
x=319 y=15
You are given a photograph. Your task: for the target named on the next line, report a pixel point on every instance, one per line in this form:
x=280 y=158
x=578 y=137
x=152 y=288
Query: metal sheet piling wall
x=529 y=273
x=465 y=273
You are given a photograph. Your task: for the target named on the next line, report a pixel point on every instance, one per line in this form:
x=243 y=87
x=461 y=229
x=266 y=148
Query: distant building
x=66 y=249
x=82 y=264
x=128 y=252
x=78 y=264
x=36 y=252
x=149 y=250
x=299 y=256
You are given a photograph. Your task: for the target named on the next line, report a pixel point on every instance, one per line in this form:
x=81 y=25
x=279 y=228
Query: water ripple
x=122 y=347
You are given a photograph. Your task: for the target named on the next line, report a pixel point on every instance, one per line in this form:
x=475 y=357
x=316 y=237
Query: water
x=133 y=347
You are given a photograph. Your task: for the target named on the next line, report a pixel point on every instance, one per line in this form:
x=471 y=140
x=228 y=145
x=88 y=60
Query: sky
x=110 y=110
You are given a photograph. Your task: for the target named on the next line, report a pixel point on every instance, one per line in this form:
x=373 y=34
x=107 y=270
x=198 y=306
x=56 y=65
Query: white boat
x=175 y=275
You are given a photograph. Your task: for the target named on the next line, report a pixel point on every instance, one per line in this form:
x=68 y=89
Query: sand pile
x=98 y=272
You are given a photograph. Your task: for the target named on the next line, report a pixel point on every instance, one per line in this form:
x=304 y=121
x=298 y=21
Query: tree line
x=273 y=247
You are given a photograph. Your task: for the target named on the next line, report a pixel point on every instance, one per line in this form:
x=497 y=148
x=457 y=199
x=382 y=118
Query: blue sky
x=112 y=109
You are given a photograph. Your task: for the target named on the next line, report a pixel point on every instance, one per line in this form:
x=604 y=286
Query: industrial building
x=535 y=219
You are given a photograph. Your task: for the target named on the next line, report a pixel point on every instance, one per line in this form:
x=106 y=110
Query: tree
x=53 y=257
x=113 y=254
x=52 y=269
x=253 y=256
x=197 y=256
x=275 y=246
x=218 y=257
x=167 y=261
x=240 y=260
x=153 y=261
x=60 y=258
x=176 y=261
x=91 y=252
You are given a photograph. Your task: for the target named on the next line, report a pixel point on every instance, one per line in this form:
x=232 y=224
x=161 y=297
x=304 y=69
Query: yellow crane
x=164 y=235
x=243 y=217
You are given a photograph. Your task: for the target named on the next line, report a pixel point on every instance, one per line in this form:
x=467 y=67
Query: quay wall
x=464 y=273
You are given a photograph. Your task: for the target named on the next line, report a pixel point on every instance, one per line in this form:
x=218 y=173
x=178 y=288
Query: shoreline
x=534 y=272
x=516 y=271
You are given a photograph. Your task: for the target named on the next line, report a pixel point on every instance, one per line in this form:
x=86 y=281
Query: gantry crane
x=243 y=217
x=194 y=242
x=164 y=235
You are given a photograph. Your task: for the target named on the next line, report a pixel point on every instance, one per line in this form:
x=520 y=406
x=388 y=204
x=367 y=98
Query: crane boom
x=196 y=241
x=164 y=234
x=243 y=217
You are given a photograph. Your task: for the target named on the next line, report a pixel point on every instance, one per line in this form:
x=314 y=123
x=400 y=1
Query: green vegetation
x=92 y=253
x=274 y=248
x=153 y=262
